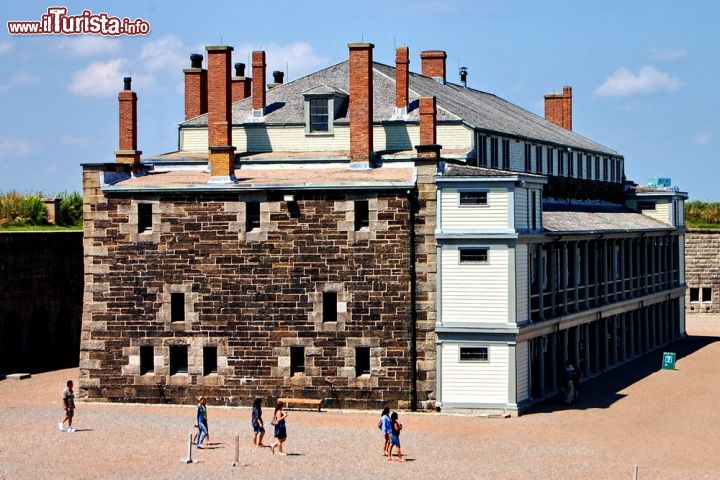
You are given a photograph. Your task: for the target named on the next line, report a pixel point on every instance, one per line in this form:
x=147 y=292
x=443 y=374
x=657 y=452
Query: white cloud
x=166 y=53
x=668 y=53
x=703 y=138
x=73 y=140
x=15 y=147
x=624 y=82
x=98 y=79
x=5 y=47
x=296 y=59
x=25 y=79
x=89 y=45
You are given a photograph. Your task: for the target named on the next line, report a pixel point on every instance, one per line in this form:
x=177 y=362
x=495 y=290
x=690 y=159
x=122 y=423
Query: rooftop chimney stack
x=240 y=83
x=361 y=102
x=558 y=108
x=195 y=87
x=277 y=79
x=258 y=84
x=127 y=106
x=463 y=76
x=222 y=153
x=402 y=77
x=433 y=64
x=428 y=148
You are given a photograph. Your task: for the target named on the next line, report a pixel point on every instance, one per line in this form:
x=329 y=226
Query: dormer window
x=322 y=106
x=319 y=115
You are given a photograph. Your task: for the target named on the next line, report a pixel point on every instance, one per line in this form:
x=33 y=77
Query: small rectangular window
x=178 y=359
x=177 y=307
x=706 y=294
x=209 y=360
x=533 y=212
x=482 y=149
x=580 y=163
x=473 y=255
x=528 y=157
x=494 y=152
x=319 y=115
x=297 y=361
x=538 y=158
x=561 y=163
x=252 y=216
x=362 y=361
x=473 y=354
x=473 y=198
x=506 y=154
x=147 y=362
x=694 y=294
x=329 y=306
x=362 y=215
x=571 y=164
x=549 y=161
x=144 y=217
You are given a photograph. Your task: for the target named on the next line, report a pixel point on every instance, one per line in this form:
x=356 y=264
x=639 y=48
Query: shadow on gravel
x=602 y=390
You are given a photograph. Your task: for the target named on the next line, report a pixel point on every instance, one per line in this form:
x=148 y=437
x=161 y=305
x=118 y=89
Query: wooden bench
x=287 y=401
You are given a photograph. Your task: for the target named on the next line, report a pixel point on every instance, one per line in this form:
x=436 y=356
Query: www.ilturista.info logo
x=57 y=22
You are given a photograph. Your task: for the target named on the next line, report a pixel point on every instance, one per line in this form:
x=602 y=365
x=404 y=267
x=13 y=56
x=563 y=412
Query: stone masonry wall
x=252 y=295
x=41 y=285
x=702 y=270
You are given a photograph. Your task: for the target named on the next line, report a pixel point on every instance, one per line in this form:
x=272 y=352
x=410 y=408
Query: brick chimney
x=222 y=153
x=127 y=151
x=402 y=76
x=361 y=102
x=195 y=87
x=428 y=147
x=240 y=83
x=433 y=64
x=258 y=84
x=558 y=108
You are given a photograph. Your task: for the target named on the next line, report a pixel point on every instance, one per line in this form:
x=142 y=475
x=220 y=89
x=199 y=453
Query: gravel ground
x=662 y=421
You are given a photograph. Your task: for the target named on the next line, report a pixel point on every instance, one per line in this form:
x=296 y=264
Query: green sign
x=668 y=361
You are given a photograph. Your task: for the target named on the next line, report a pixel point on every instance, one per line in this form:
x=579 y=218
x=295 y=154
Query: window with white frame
x=473 y=198
x=474 y=354
x=473 y=254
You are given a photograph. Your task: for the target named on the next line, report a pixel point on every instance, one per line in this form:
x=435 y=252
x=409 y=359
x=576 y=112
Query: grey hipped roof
x=480 y=110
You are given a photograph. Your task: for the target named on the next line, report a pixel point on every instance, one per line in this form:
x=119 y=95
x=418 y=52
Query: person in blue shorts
x=280 y=428
x=395 y=428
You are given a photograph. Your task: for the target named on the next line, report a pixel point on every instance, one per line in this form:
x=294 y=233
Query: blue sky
x=644 y=73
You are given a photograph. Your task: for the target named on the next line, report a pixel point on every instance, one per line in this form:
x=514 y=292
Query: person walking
x=68 y=398
x=257 y=423
x=385 y=427
x=201 y=421
x=280 y=428
x=396 y=426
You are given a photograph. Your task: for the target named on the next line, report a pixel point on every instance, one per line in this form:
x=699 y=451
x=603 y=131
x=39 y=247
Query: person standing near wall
x=280 y=429
x=257 y=423
x=201 y=421
x=68 y=398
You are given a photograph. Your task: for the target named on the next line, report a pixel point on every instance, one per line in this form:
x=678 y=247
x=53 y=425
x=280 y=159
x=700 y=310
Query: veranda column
x=541 y=275
x=604 y=340
x=596 y=345
x=553 y=362
x=574 y=273
x=605 y=270
x=615 y=338
x=586 y=273
x=586 y=345
x=563 y=276
x=645 y=274
x=623 y=280
x=553 y=280
x=541 y=365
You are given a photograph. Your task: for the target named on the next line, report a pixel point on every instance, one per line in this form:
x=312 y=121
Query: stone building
x=703 y=271
x=369 y=235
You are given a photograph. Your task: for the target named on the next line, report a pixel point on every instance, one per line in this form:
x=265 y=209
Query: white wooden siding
x=396 y=136
x=522 y=209
x=522 y=283
x=493 y=216
x=522 y=368
x=475 y=382
x=454 y=137
x=194 y=140
x=660 y=213
x=475 y=292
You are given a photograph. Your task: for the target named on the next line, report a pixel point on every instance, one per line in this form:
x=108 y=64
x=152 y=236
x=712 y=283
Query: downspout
x=412 y=206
